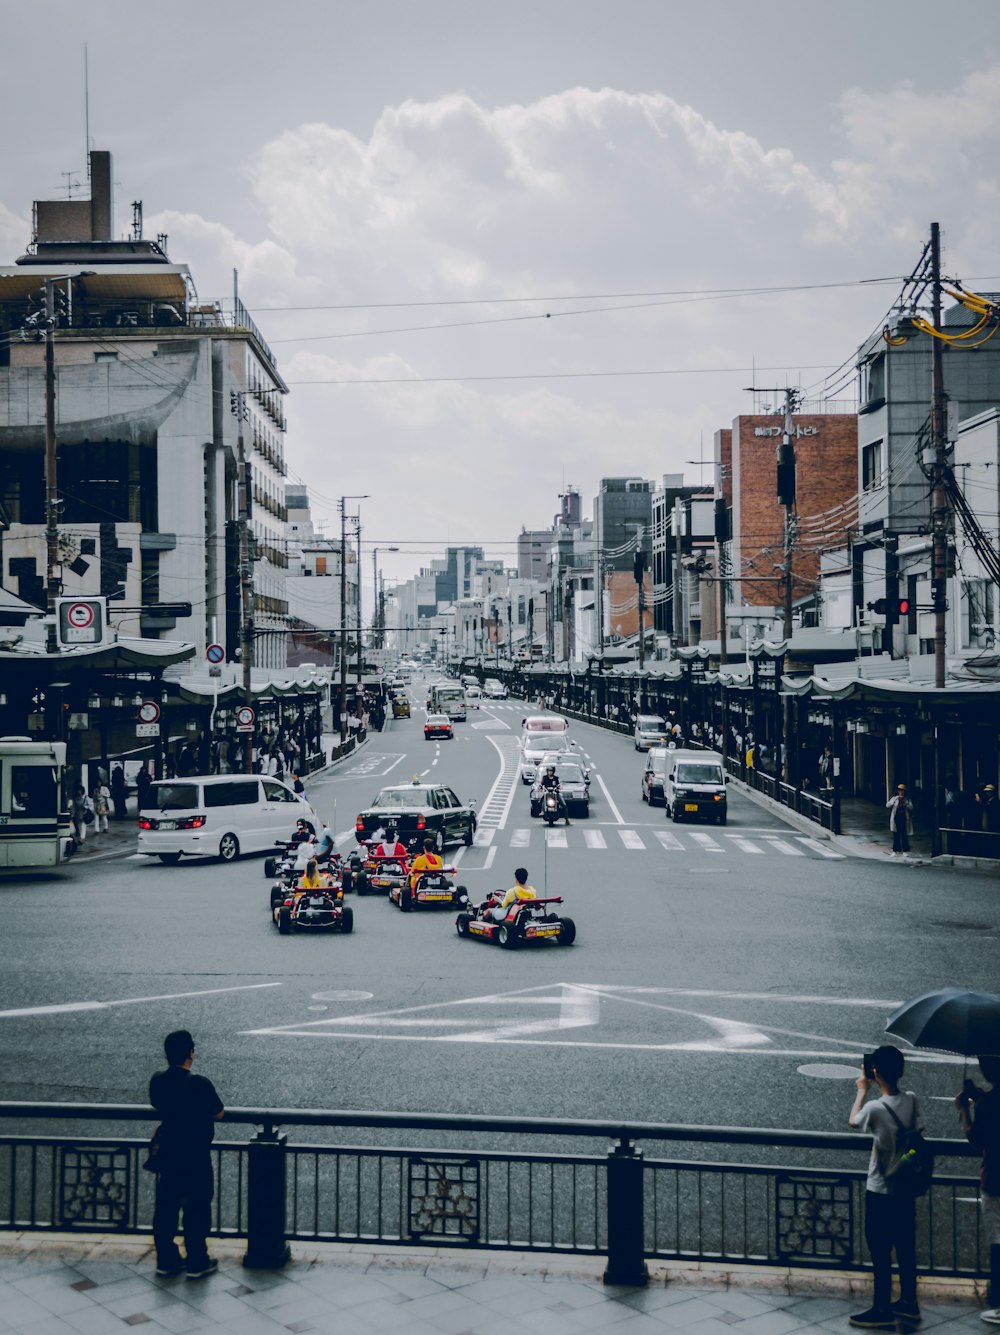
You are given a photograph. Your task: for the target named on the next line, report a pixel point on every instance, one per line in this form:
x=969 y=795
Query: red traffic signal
x=891 y=608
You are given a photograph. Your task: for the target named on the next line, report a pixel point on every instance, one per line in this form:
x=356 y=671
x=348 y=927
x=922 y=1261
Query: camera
x=867 y=1062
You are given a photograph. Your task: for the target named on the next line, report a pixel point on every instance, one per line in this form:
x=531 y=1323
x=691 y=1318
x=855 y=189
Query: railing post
x=267 y=1248
x=626 y=1217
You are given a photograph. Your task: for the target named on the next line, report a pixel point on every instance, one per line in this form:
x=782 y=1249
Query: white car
x=473 y=695
x=494 y=690
x=539 y=746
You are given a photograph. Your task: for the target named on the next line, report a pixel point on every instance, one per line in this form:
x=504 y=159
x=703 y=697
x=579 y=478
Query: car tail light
x=191 y=823
x=421 y=823
x=359 y=825
x=145 y=823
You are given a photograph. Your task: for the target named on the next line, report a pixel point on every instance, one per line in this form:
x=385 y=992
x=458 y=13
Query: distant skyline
x=575 y=226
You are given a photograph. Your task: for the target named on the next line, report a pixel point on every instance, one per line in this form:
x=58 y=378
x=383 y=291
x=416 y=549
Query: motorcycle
x=552 y=812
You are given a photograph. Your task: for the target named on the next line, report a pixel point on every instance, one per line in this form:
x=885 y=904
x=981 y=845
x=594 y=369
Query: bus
x=447 y=697
x=34 y=806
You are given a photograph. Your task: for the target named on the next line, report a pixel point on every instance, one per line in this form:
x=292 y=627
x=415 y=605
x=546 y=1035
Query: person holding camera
x=979 y=1110
x=890 y=1219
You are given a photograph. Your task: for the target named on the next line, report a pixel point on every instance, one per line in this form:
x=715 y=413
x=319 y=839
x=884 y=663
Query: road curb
x=800 y=822
x=800 y=1283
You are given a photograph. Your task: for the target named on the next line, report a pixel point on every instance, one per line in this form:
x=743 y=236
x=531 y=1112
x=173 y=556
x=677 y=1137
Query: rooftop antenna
x=86 y=108
x=69 y=185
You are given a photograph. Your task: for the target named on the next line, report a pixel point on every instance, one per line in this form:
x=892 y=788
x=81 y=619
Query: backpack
x=909 y=1171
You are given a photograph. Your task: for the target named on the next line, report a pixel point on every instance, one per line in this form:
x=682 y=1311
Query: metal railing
x=970 y=843
x=493 y=1183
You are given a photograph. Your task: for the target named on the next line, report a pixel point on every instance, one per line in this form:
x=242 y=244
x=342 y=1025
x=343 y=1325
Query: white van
x=694 y=784
x=219 y=816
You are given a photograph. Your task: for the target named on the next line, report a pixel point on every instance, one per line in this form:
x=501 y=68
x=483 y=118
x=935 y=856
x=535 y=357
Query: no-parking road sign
x=215 y=653
x=81 y=620
x=244 y=719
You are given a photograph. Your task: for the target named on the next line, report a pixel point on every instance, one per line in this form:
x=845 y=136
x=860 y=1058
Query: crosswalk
x=782 y=842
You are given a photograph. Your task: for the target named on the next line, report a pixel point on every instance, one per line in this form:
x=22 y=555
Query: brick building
x=826 y=450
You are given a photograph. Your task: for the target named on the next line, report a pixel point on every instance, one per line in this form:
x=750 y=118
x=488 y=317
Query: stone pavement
x=94 y=1286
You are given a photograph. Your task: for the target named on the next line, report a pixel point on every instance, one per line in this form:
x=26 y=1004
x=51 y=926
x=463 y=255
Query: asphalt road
x=727 y=976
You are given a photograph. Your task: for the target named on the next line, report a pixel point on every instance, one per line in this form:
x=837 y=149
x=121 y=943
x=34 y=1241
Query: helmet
x=550 y=769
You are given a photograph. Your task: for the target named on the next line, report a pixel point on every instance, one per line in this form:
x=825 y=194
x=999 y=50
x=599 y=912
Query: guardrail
x=970 y=843
x=493 y=1183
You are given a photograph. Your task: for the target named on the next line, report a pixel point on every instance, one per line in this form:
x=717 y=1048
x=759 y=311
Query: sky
x=500 y=250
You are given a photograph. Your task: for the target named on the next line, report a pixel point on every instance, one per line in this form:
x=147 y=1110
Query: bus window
x=32 y=790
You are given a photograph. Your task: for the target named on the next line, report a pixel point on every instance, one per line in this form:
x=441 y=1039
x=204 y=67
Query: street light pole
x=343 y=611
x=53 y=581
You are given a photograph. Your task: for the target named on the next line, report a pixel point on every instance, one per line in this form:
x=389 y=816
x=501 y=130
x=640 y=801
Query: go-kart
x=433 y=889
x=526 y=920
x=287 y=874
x=313 y=911
x=286 y=852
x=382 y=875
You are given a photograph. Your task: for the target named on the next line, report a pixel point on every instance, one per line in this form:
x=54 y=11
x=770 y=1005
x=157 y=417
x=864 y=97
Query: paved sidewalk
x=76 y=1286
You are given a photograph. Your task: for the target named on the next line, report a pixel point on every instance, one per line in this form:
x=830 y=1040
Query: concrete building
x=312 y=585
x=146 y=441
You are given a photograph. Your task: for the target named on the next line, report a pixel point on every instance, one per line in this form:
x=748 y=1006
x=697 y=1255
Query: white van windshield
x=695 y=773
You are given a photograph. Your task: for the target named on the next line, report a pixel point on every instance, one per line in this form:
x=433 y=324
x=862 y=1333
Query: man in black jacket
x=979 y=1110
x=189 y=1107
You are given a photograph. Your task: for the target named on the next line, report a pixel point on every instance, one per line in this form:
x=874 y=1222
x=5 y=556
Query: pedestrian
x=100 y=796
x=298 y=787
x=189 y=1107
x=979 y=1110
x=81 y=813
x=119 y=792
x=988 y=809
x=143 y=783
x=900 y=810
x=825 y=766
x=890 y=1219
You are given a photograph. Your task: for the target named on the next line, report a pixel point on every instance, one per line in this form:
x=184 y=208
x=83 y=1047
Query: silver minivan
x=650 y=730
x=694 y=786
x=219 y=816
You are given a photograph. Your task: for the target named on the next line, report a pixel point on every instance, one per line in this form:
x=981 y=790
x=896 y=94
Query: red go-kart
x=320 y=910
x=433 y=889
x=526 y=920
x=382 y=875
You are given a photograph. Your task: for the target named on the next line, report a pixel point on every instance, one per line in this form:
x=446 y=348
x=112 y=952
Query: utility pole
x=639 y=571
x=360 y=687
x=53 y=580
x=237 y=405
x=939 y=497
x=721 y=538
x=343 y=619
x=677 y=602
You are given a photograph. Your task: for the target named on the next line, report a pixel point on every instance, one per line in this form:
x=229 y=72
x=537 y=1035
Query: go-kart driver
x=302 y=832
x=311 y=878
x=550 y=784
x=426 y=861
x=390 y=847
x=326 y=845
x=519 y=890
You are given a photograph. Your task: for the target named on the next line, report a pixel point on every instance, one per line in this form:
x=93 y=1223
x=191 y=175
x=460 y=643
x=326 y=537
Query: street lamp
x=378 y=596
x=343 y=611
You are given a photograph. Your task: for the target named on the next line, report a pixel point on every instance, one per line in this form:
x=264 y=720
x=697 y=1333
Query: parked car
x=415 y=810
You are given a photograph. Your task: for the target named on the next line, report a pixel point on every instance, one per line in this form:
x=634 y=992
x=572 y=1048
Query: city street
x=728 y=976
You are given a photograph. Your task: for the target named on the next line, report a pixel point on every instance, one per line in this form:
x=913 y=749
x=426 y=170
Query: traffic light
x=167 y=609
x=890 y=608
x=638 y=566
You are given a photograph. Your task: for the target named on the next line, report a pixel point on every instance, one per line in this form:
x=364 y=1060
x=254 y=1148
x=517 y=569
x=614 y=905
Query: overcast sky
x=455 y=193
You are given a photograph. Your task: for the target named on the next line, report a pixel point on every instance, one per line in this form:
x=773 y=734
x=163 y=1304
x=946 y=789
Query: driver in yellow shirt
x=428 y=860
x=519 y=890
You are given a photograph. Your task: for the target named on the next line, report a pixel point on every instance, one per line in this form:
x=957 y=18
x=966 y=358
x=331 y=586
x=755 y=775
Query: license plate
x=543 y=931
x=690 y=806
x=380 y=881
x=167 y=825
x=428 y=896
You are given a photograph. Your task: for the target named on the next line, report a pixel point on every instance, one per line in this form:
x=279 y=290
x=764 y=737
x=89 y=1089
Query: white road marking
x=669 y=841
x=490 y=855
x=484 y=838
x=620 y=819
x=745 y=845
x=424 y=773
x=434 y=761
x=782 y=847
x=706 y=841
x=70 y=1006
x=594 y=839
x=520 y=838
x=555 y=838
x=815 y=846
x=630 y=838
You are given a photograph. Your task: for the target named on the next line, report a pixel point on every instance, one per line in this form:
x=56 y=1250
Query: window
x=105 y=356
x=176 y=796
x=32 y=791
x=452 y=798
x=875 y=388
x=232 y=794
x=977 y=614
x=277 y=792
x=871 y=466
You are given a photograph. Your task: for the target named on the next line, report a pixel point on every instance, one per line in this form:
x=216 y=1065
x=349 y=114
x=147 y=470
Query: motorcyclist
x=426 y=861
x=519 y=890
x=550 y=784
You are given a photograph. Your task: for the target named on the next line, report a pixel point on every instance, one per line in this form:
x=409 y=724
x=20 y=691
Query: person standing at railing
x=189 y=1107
x=890 y=1219
x=979 y=1110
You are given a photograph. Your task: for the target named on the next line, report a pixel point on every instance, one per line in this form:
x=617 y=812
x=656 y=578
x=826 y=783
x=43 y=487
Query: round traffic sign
x=245 y=716
x=215 y=653
x=149 y=711
x=80 y=615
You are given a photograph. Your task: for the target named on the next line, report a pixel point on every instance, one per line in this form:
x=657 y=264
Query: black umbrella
x=951 y=1019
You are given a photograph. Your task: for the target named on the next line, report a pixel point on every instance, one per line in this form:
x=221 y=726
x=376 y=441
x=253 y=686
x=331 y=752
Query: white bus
x=34 y=806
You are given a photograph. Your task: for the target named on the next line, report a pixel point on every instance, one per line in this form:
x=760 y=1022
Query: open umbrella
x=951 y=1019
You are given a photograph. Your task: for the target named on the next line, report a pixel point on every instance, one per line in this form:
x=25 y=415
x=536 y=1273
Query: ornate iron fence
x=478 y=1185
